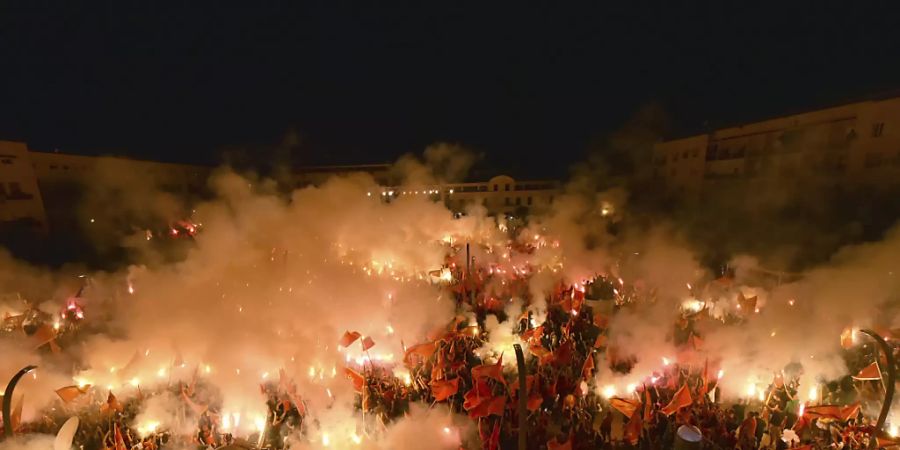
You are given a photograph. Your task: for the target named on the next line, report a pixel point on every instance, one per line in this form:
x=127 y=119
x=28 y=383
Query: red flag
x=367 y=343
x=348 y=338
x=44 y=334
x=493 y=371
x=69 y=393
x=588 y=368
x=112 y=404
x=491 y=406
x=358 y=380
x=648 y=405
x=478 y=394
x=424 y=351
x=681 y=399
x=633 y=428
x=442 y=390
x=842 y=413
x=870 y=372
x=120 y=440
x=704 y=379
x=626 y=407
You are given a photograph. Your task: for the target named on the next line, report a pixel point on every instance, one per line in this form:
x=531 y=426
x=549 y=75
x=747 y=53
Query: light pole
x=523 y=397
x=7 y=399
x=888 y=387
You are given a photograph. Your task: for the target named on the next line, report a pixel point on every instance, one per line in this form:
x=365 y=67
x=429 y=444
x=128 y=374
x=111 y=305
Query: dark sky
x=527 y=85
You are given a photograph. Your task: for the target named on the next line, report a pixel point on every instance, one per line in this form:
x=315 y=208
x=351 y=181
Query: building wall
x=853 y=145
x=44 y=187
x=499 y=195
x=20 y=197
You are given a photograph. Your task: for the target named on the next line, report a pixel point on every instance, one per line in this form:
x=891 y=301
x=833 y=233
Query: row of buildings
x=855 y=145
x=40 y=190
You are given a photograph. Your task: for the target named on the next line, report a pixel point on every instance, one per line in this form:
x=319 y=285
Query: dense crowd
x=567 y=406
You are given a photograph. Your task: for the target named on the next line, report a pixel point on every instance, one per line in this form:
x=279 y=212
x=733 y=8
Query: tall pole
x=7 y=399
x=523 y=397
x=889 y=386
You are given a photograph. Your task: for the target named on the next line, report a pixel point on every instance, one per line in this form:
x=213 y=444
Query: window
x=529 y=197
x=496 y=187
x=551 y=200
x=518 y=201
x=6 y=161
x=2 y=190
x=878 y=129
x=694 y=153
x=506 y=187
x=684 y=154
x=675 y=157
x=507 y=201
x=52 y=166
x=15 y=188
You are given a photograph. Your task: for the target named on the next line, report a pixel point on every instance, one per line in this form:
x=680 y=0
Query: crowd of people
x=566 y=404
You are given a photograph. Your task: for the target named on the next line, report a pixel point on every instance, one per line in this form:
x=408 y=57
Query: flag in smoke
x=70 y=393
x=870 y=372
x=442 y=390
x=681 y=399
x=348 y=338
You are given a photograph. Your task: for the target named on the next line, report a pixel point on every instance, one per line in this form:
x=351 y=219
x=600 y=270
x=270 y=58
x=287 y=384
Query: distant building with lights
x=41 y=190
x=501 y=195
x=856 y=145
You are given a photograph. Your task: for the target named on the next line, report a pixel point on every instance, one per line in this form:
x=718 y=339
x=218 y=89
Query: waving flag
x=624 y=406
x=493 y=371
x=870 y=372
x=69 y=393
x=367 y=343
x=490 y=406
x=348 y=338
x=358 y=380
x=112 y=404
x=681 y=399
x=442 y=390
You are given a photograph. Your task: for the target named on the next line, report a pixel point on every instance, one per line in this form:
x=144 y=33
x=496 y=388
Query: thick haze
x=272 y=282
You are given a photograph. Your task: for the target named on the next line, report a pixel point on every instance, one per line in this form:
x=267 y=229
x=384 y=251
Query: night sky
x=529 y=86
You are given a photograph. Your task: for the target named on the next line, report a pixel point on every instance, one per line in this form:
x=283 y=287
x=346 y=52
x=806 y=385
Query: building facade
x=855 y=145
x=20 y=198
x=41 y=189
x=501 y=195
